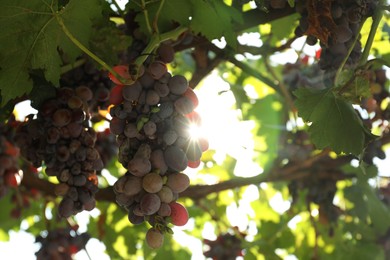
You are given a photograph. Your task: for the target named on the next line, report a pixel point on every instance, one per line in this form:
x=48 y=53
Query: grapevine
x=294 y=96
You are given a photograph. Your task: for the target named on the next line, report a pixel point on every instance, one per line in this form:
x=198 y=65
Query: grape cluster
x=61 y=137
x=60 y=244
x=227 y=247
x=152 y=118
x=336 y=24
x=10 y=173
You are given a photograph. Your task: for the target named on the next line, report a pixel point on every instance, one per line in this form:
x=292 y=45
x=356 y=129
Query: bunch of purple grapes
x=340 y=26
x=60 y=244
x=152 y=118
x=62 y=138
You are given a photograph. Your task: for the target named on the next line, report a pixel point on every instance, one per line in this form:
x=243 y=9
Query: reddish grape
x=116 y=95
x=179 y=214
x=123 y=71
x=193 y=164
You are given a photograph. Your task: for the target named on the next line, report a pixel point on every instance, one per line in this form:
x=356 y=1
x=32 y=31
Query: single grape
x=150 y=203
x=178 y=182
x=164 y=210
x=157 y=69
x=170 y=137
x=133 y=218
x=193 y=164
x=150 y=128
x=65 y=209
x=179 y=214
x=158 y=162
x=139 y=166
x=132 y=186
x=117 y=125
x=152 y=97
x=166 y=53
x=152 y=182
x=75 y=102
x=178 y=84
x=116 y=96
x=161 y=89
x=62 y=117
x=132 y=92
x=175 y=158
x=165 y=194
x=154 y=238
x=184 y=105
x=190 y=94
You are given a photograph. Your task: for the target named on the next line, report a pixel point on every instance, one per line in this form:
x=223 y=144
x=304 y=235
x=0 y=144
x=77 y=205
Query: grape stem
x=155 y=26
x=375 y=23
x=71 y=66
x=340 y=69
x=145 y=11
x=82 y=47
x=156 y=40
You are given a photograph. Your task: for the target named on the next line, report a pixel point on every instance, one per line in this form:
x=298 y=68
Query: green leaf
x=284 y=27
x=334 y=122
x=31 y=36
x=214 y=20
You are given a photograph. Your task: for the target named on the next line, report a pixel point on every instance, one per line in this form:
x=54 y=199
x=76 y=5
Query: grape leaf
x=334 y=123
x=213 y=19
x=31 y=36
x=168 y=14
x=284 y=27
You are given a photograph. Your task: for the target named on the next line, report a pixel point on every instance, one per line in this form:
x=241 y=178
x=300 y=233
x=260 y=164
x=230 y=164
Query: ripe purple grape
x=150 y=203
